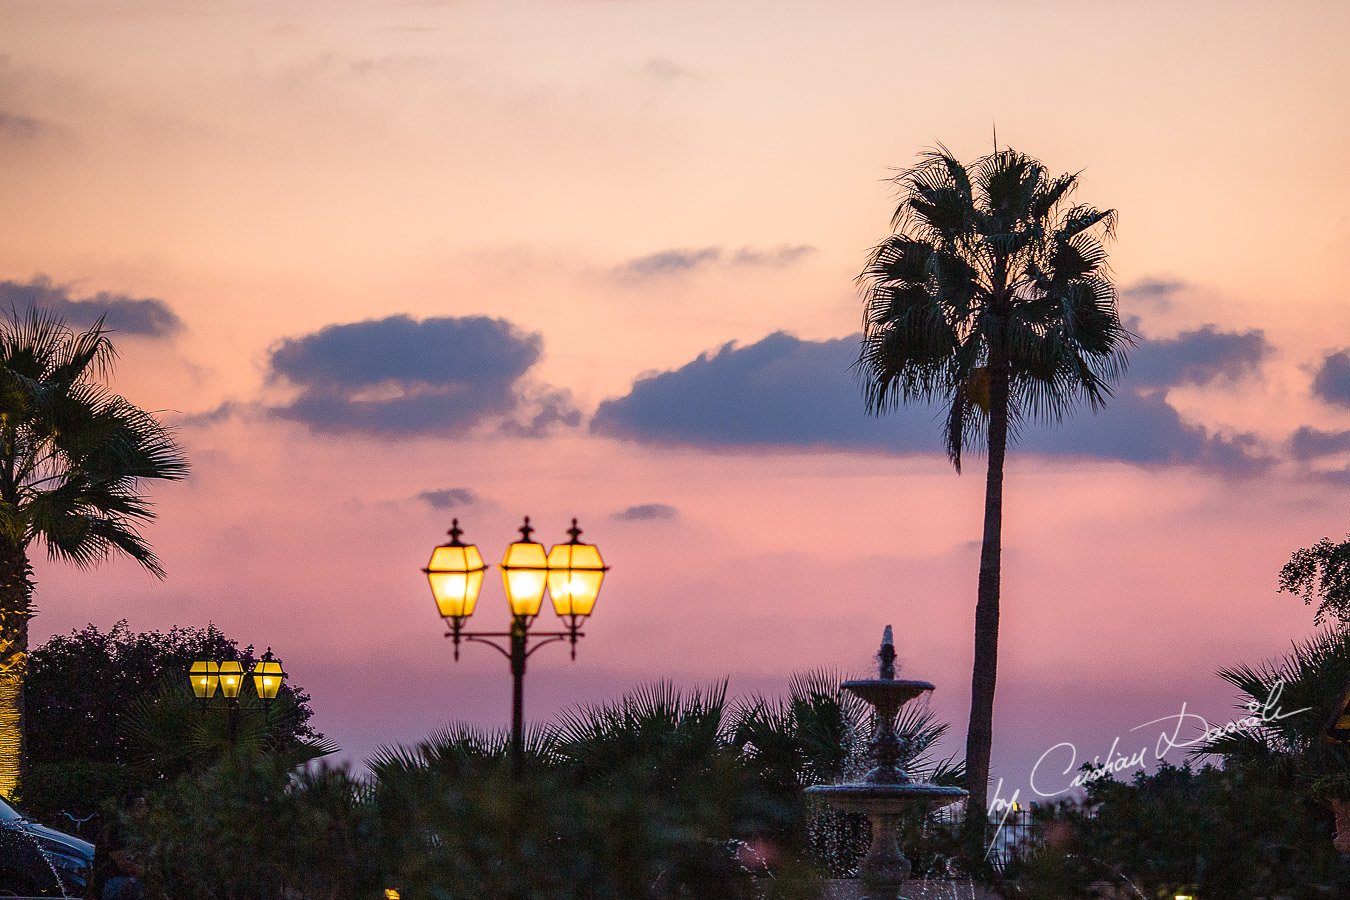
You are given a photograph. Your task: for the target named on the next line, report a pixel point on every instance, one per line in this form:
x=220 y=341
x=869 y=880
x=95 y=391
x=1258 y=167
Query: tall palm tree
x=992 y=297
x=73 y=456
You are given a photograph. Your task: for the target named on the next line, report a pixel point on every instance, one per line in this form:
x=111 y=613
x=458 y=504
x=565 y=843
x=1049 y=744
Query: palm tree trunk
x=16 y=591
x=980 y=733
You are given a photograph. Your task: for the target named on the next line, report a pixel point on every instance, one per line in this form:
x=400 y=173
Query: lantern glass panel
x=456 y=576
x=575 y=572
x=205 y=677
x=267 y=677
x=525 y=576
x=231 y=678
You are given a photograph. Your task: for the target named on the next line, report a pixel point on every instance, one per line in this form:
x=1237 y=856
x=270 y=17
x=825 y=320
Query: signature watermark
x=1064 y=758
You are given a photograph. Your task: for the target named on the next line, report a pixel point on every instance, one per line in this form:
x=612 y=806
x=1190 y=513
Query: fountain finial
x=886 y=655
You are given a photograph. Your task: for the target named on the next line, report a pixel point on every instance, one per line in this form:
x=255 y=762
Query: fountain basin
x=884 y=799
x=887 y=692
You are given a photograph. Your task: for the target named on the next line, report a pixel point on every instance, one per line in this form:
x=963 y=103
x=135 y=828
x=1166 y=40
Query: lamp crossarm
x=482 y=637
x=549 y=637
x=218 y=703
x=485 y=637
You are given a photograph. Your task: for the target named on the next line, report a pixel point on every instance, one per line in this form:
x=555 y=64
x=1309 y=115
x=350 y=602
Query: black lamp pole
x=519 y=650
x=232 y=720
x=519 y=638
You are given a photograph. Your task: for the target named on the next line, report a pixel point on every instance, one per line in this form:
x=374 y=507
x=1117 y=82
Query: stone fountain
x=886 y=791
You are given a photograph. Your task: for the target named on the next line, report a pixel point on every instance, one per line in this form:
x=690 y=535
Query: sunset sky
x=387 y=263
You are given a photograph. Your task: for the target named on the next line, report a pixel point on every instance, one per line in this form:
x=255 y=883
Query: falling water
x=17 y=835
x=1134 y=887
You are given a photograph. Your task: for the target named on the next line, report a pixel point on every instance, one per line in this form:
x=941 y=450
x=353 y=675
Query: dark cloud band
x=1198 y=357
x=449 y=498
x=1311 y=443
x=473 y=351
x=791 y=393
x=684 y=260
x=400 y=376
x=647 y=512
x=146 y=317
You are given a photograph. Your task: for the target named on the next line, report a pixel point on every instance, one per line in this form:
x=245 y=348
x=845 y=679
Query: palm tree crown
x=72 y=459
x=991 y=274
x=72 y=454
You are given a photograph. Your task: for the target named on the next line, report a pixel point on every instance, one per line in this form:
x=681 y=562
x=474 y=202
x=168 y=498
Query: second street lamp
x=206 y=676
x=570 y=572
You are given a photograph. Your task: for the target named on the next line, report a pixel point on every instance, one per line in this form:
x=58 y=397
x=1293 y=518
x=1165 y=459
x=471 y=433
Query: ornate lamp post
x=206 y=676
x=570 y=572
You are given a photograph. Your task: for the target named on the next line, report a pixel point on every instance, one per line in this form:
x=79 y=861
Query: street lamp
x=267 y=677
x=571 y=573
x=206 y=676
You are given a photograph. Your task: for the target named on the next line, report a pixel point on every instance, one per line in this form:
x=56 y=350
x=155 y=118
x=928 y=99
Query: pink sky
x=637 y=185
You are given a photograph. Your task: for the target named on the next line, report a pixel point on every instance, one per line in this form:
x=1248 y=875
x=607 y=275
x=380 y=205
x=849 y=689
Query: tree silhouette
x=992 y=297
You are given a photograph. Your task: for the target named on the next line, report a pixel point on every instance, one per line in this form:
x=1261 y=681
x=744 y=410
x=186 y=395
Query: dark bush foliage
x=256 y=826
x=100 y=722
x=661 y=794
x=1208 y=832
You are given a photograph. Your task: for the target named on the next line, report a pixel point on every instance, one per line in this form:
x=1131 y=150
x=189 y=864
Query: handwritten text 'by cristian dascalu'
x=1046 y=785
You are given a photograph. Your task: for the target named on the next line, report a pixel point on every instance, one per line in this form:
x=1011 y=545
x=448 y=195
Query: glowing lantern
x=456 y=575
x=205 y=677
x=575 y=571
x=267 y=676
x=525 y=574
x=231 y=678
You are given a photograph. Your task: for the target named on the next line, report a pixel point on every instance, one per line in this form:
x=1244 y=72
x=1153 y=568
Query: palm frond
x=1305 y=688
x=656 y=725
x=74 y=453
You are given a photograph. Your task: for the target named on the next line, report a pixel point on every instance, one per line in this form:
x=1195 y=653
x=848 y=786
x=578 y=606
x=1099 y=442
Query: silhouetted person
x=117 y=874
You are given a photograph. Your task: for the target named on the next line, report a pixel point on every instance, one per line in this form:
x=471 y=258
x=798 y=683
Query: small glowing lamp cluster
x=570 y=572
x=229 y=677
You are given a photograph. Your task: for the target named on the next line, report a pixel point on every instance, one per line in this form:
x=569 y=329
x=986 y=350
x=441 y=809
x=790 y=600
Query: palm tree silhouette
x=991 y=296
x=72 y=459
